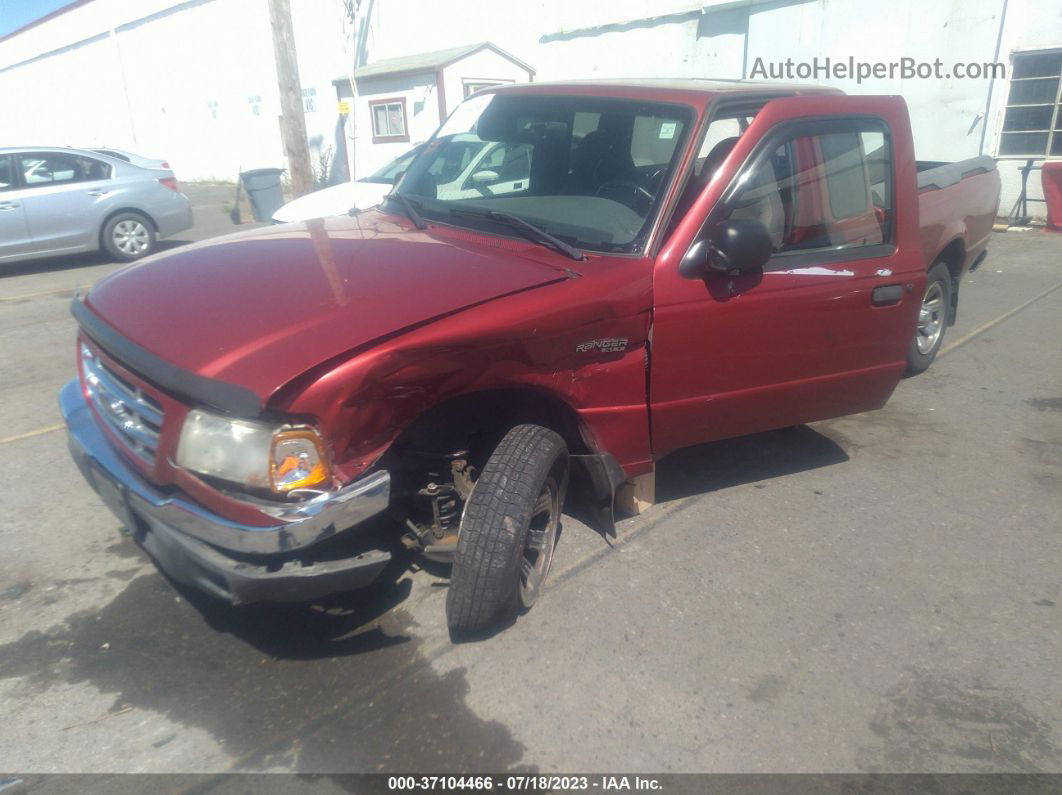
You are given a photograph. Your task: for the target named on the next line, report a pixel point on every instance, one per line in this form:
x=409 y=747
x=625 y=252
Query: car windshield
x=588 y=170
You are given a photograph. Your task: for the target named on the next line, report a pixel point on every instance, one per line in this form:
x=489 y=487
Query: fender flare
x=601 y=475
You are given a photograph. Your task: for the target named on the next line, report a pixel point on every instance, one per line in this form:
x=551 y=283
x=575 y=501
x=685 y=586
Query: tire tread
x=484 y=583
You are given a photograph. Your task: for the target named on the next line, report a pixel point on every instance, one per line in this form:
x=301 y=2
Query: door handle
x=8 y=206
x=98 y=192
x=887 y=294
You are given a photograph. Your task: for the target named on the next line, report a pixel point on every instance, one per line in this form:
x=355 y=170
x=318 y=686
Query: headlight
x=281 y=459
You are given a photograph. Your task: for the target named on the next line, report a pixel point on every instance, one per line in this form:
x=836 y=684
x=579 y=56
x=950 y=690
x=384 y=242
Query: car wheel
x=128 y=236
x=509 y=529
x=933 y=319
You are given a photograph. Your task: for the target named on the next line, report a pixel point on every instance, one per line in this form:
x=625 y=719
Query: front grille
x=134 y=415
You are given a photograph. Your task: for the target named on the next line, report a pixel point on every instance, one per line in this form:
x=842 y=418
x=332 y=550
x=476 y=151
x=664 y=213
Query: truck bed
x=957 y=205
x=938 y=174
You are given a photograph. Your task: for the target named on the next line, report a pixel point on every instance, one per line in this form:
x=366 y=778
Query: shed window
x=389 y=120
x=1032 y=121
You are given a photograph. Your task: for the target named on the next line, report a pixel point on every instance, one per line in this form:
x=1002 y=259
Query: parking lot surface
x=874 y=593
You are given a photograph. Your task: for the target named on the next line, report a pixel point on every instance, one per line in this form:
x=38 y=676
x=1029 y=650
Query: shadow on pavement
x=340 y=686
x=340 y=624
x=746 y=459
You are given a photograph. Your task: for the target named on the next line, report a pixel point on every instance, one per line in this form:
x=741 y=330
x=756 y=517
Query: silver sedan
x=64 y=201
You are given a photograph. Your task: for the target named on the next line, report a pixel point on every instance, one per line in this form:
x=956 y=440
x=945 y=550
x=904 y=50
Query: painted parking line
x=979 y=330
x=26 y=296
x=30 y=434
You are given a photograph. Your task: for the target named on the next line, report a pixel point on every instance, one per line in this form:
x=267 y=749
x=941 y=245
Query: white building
x=194 y=81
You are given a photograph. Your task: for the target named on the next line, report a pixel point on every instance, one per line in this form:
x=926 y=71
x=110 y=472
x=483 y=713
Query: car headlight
x=279 y=458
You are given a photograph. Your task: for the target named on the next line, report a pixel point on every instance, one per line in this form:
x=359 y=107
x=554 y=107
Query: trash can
x=1052 y=182
x=264 y=191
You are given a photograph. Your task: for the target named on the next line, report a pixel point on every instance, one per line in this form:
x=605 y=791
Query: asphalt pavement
x=874 y=593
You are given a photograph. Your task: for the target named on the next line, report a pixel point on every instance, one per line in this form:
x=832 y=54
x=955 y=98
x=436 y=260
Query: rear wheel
x=128 y=236
x=509 y=529
x=933 y=319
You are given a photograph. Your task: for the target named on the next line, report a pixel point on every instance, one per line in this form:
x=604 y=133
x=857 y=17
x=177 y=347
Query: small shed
x=400 y=101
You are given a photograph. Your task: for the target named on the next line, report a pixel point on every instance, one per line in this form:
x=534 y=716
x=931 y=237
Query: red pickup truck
x=640 y=266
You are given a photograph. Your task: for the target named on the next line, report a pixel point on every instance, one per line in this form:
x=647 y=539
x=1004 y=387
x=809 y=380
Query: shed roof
x=427 y=62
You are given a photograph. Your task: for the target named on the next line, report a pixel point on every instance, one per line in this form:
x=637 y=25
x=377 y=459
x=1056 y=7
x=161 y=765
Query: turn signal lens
x=298 y=460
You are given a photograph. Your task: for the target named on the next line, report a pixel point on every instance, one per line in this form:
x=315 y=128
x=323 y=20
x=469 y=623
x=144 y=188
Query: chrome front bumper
x=194 y=545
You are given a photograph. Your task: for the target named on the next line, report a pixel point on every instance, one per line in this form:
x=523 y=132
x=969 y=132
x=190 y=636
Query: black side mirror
x=737 y=244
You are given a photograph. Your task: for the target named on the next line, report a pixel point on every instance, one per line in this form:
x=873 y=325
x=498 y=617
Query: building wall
x=951 y=119
x=142 y=76
x=169 y=79
x=947 y=115
x=1030 y=25
x=665 y=48
x=190 y=89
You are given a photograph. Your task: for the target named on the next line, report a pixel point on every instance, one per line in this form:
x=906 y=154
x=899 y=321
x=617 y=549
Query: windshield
x=588 y=170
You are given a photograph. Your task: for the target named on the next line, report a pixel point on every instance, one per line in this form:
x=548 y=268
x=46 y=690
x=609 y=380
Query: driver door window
x=816 y=192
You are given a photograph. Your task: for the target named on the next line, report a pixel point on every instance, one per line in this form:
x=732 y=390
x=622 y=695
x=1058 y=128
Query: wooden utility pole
x=292 y=120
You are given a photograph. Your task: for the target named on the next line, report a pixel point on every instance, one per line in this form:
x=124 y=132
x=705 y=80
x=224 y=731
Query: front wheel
x=509 y=530
x=932 y=320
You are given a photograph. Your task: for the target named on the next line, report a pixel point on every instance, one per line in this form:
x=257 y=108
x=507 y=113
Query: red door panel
x=737 y=355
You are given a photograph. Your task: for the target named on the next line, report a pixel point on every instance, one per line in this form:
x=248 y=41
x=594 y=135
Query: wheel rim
x=131 y=237
x=931 y=318
x=541 y=539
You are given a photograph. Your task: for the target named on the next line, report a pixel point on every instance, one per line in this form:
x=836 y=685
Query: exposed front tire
x=128 y=236
x=508 y=530
x=933 y=320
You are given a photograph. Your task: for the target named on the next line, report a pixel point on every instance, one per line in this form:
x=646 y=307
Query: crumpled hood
x=257 y=309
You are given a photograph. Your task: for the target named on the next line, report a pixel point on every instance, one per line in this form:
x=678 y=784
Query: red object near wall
x=1052 y=181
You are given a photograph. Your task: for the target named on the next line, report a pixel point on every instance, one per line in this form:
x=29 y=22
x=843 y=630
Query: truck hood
x=257 y=309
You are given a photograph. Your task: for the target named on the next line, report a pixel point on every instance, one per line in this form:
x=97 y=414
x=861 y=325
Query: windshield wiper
x=536 y=233
x=410 y=210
